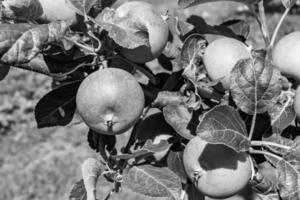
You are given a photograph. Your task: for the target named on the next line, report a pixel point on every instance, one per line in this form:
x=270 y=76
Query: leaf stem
x=252 y=151
x=252 y=125
x=267 y=143
x=275 y=33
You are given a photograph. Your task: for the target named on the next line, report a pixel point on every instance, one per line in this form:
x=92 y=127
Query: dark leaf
x=123 y=30
x=179 y=117
x=255 y=85
x=147 y=150
x=78 y=191
x=4 y=70
x=32 y=41
x=289 y=173
x=21 y=9
x=192 y=193
x=238 y=26
x=57 y=107
x=223 y=125
x=152 y=181
x=83 y=6
x=189 y=3
x=201 y=27
x=175 y=163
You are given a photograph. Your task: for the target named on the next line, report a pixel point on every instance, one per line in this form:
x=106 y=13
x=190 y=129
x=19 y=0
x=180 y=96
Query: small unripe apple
x=286 y=57
x=148 y=20
x=220 y=57
x=110 y=101
x=216 y=170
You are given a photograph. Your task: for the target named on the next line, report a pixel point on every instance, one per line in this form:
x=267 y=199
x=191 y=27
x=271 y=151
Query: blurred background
x=44 y=163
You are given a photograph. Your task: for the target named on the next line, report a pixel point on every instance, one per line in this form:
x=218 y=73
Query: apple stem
x=267 y=143
x=275 y=33
x=252 y=151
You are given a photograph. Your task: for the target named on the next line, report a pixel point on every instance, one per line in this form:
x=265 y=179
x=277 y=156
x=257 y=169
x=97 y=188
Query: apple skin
x=216 y=170
x=220 y=57
x=146 y=17
x=110 y=101
x=285 y=55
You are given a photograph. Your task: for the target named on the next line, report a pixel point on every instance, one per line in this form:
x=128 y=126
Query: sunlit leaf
x=289 y=173
x=78 y=191
x=179 y=117
x=152 y=181
x=255 y=85
x=123 y=30
x=175 y=163
x=272 y=196
x=165 y=98
x=223 y=125
x=31 y=42
x=83 y=6
x=22 y=9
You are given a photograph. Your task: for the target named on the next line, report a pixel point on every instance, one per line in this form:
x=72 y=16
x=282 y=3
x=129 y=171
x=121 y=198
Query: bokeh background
x=43 y=164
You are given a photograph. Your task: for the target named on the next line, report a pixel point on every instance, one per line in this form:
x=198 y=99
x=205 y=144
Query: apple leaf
x=21 y=9
x=261 y=184
x=179 y=117
x=78 y=191
x=82 y=6
x=175 y=163
x=192 y=50
x=272 y=196
x=255 y=85
x=4 y=70
x=190 y=3
x=152 y=181
x=57 y=107
x=165 y=98
x=178 y=27
x=91 y=169
x=125 y=31
x=192 y=193
x=147 y=150
x=277 y=138
x=223 y=125
x=236 y=29
x=31 y=42
x=282 y=114
x=289 y=173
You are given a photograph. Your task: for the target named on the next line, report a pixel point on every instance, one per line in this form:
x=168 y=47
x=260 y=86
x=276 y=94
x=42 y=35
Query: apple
x=147 y=19
x=110 y=101
x=285 y=55
x=216 y=170
x=220 y=57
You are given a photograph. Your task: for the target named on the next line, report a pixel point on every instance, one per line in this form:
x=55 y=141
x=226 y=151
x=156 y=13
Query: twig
x=265 y=153
x=266 y=143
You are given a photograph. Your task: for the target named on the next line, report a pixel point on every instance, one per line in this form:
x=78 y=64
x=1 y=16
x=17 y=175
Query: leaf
x=193 y=50
x=165 y=98
x=282 y=115
x=223 y=125
x=82 y=6
x=179 y=117
x=255 y=85
x=4 y=70
x=192 y=193
x=189 y=3
x=22 y=9
x=78 y=191
x=91 y=169
x=152 y=181
x=31 y=42
x=238 y=26
x=226 y=29
x=289 y=173
x=57 y=107
x=272 y=196
x=147 y=150
x=125 y=31
x=177 y=26
x=175 y=163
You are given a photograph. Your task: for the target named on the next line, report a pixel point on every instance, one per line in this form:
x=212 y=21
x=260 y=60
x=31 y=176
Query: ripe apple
x=147 y=19
x=220 y=57
x=285 y=55
x=216 y=170
x=297 y=102
x=110 y=101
